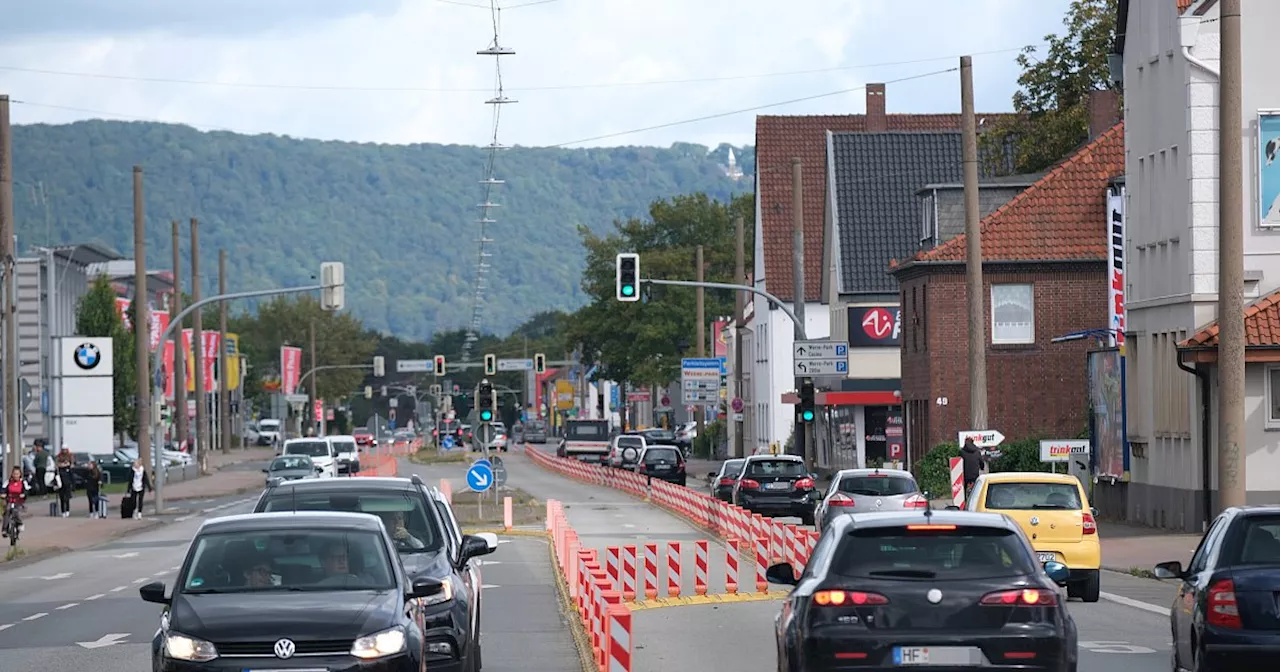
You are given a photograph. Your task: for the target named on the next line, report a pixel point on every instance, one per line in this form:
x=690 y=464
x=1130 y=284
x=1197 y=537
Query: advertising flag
x=290 y=369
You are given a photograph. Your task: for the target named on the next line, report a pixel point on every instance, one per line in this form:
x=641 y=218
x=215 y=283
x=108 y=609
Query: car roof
x=870 y=471
x=339 y=436
x=1031 y=477
x=289 y=520
x=761 y=458
x=386 y=483
x=897 y=519
x=650 y=446
x=301 y=439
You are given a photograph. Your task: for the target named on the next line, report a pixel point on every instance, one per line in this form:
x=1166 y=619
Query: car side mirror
x=319 y=470
x=265 y=471
x=1094 y=510
x=425 y=588
x=1058 y=572
x=1169 y=570
x=711 y=476
x=782 y=574
x=153 y=592
x=474 y=546
x=490 y=540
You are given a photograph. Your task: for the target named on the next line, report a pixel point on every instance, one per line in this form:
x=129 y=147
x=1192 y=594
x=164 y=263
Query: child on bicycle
x=15 y=498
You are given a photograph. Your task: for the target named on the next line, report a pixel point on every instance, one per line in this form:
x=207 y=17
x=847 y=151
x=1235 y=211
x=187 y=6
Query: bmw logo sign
x=87 y=356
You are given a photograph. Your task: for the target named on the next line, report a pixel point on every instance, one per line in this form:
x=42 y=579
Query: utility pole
x=739 y=306
x=798 y=300
x=1231 y=337
x=142 y=325
x=8 y=269
x=181 y=428
x=197 y=351
x=315 y=362
x=224 y=394
x=973 y=252
x=700 y=414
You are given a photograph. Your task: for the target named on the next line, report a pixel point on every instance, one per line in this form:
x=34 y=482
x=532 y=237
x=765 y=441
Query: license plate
x=1047 y=557
x=778 y=486
x=662 y=467
x=936 y=655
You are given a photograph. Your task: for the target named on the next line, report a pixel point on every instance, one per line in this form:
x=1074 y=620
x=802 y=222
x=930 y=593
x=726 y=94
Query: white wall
x=772 y=371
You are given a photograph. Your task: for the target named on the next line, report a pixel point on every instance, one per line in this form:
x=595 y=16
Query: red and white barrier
x=629 y=573
x=612 y=559
x=673 y=568
x=700 y=567
x=650 y=571
x=957 y=481
x=619 y=659
x=731 y=567
x=762 y=564
x=600 y=605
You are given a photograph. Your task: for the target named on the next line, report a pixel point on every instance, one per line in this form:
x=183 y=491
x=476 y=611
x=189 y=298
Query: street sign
x=988 y=438
x=515 y=364
x=1063 y=450
x=296 y=398
x=499 y=475
x=447 y=443
x=737 y=405
x=414 y=366
x=480 y=476
x=820 y=358
x=24 y=397
x=700 y=380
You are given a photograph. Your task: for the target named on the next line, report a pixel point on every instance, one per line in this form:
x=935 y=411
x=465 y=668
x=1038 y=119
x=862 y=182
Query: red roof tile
x=1059 y=218
x=1183 y=5
x=778 y=140
x=1261 y=326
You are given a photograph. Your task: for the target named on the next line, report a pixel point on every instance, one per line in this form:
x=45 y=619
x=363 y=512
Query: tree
x=97 y=317
x=1053 y=95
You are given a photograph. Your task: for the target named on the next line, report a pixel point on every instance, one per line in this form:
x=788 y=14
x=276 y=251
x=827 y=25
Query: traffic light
x=807 y=413
x=333 y=286
x=484 y=401
x=379 y=366
x=368 y=391
x=490 y=365
x=539 y=363
x=440 y=365
x=628 y=273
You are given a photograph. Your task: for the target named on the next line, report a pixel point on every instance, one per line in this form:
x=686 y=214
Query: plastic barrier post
x=731 y=567
x=650 y=571
x=762 y=563
x=619 y=638
x=506 y=513
x=700 y=567
x=629 y=573
x=673 y=568
x=612 y=560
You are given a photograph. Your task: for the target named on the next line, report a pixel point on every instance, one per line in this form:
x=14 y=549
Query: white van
x=347 y=452
x=320 y=452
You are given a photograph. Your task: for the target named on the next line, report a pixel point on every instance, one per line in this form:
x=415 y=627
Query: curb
x=702 y=600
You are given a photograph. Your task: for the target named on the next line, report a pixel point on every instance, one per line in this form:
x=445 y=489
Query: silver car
x=870 y=491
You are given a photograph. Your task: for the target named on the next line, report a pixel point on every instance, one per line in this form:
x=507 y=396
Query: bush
x=933 y=473
x=1021 y=455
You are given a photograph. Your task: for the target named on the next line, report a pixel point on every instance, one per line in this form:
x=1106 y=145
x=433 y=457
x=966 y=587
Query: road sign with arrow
x=820 y=358
x=480 y=476
x=986 y=438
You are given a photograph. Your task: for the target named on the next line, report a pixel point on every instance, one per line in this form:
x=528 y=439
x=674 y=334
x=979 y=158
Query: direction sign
x=515 y=364
x=499 y=475
x=414 y=365
x=296 y=398
x=700 y=380
x=821 y=367
x=480 y=476
x=1063 y=450
x=820 y=358
x=24 y=397
x=447 y=443
x=987 y=438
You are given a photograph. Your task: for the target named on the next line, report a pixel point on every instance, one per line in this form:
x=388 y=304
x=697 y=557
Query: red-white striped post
x=762 y=563
x=612 y=561
x=507 y=517
x=777 y=532
x=811 y=543
x=731 y=567
x=673 y=568
x=700 y=552
x=650 y=571
x=629 y=573
x=619 y=638
x=600 y=581
x=789 y=545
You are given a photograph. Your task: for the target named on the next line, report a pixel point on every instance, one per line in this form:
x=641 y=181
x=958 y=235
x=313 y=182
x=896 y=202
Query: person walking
x=92 y=488
x=64 y=465
x=43 y=461
x=29 y=467
x=973 y=461
x=139 y=484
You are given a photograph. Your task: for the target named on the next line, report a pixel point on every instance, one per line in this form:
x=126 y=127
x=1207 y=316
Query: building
x=780 y=139
x=1166 y=57
x=1045 y=266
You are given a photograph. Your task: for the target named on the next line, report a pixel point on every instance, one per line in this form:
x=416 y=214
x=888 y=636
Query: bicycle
x=12 y=526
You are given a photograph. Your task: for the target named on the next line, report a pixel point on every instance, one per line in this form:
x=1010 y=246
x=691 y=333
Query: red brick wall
x=1032 y=390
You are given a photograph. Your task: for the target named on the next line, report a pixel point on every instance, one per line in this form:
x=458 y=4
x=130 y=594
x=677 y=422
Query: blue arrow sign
x=480 y=476
x=447 y=443
x=482 y=461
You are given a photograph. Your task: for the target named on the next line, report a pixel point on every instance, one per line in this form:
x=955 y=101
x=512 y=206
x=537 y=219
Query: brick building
x=1045 y=275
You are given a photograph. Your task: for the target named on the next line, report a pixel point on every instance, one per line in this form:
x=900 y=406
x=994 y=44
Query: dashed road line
x=142 y=580
x=119 y=588
x=67 y=606
x=33 y=617
x=162 y=572
x=93 y=597
x=6 y=626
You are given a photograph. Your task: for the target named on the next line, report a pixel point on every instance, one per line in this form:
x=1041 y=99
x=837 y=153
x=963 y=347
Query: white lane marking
x=1136 y=604
x=126 y=555
x=67 y=606
x=6 y=626
x=490 y=585
x=162 y=572
x=145 y=578
x=93 y=597
x=183 y=519
x=33 y=617
x=175 y=568
x=1115 y=647
x=119 y=588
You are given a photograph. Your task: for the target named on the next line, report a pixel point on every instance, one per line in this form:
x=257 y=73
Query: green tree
x=96 y=317
x=1053 y=95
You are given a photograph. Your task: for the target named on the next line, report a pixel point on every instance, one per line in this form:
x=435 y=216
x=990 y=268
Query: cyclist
x=15 y=498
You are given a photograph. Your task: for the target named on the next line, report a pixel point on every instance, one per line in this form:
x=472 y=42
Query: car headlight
x=379 y=644
x=440 y=597
x=182 y=647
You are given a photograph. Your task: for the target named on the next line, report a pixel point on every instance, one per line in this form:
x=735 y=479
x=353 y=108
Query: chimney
x=1104 y=111
x=876 y=121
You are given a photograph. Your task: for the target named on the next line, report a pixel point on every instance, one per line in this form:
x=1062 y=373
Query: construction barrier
x=593 y=592
x=378 y=465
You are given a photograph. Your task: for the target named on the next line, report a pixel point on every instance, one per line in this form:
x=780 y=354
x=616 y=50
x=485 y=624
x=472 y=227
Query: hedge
x=933 y=473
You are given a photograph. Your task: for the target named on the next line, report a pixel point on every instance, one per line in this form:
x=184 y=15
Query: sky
x=584 y=72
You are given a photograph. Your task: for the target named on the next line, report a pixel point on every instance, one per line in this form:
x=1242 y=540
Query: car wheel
x=1091 y=587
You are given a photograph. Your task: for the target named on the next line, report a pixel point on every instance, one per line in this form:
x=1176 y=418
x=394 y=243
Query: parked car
x=270 y=432
x=662 y=462
x=685 y=434
x=721 y=482
x=869 y=491
x=364 y=438
x=535 y=431
x=777 y=485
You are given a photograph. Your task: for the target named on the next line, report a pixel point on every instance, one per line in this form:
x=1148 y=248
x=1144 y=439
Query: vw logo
x=87 y=356
x=1035 y=520
x=934 y=596
x=879 y=502
x=284 y=649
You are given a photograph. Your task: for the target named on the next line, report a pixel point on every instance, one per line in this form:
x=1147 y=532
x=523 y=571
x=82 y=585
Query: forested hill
x=402 y=217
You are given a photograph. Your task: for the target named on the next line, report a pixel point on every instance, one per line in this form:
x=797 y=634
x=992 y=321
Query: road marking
x=145 y=578
x=33 y=617
x=183 y=519
x=1136 y=604
x=51 y=577
x=105 y=640
x=489 y=585
x=93 y=597
x=162 y=572
x=68 y=605
x=175 y=568
x=1114 y=647
x=119 y=588
x=6 y=626
x=125 y=555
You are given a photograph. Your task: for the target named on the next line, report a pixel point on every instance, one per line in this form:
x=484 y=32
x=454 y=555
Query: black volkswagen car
x=945 y=590
x=777 y=485
x=427 y=547
x=314 y=590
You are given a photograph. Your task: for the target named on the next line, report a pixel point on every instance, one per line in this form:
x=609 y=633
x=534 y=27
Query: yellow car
x=1054 y=512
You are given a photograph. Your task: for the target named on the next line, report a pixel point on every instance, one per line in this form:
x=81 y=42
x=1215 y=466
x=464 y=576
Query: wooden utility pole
x=180 y=421
x=700 y=411
x=224 y=394
x=798 y=298
x=8 y=271
x=315 y=362
x=973 y=253
x=1231 y=336
x=739 y=307
x=142 y=327
x=203 y=445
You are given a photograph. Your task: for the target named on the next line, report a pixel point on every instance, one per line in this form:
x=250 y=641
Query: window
x=1033 y=496
x=1273 y=397
x=878 y=485
x=1012 y=314
x=757 y=468
x=966 y=553
x=926 y=219
x=411 y=527
x=293 y=560
x=309 y=448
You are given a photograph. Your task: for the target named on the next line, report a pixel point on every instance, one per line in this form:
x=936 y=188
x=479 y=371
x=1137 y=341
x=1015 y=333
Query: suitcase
x=126 y=507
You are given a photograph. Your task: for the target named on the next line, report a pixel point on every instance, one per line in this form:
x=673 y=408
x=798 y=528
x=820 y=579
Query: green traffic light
x=807 y=415
x=486 y=416
x=628 y=290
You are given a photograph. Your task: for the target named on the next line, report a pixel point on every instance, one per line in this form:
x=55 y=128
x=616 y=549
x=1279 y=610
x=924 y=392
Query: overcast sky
x=405 y=71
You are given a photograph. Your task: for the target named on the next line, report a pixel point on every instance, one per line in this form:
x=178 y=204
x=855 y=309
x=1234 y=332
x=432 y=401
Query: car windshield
x=776 y=468
x=270 y=425
x=587 y=431
x=1025 y=496
x=344 y=446
x=655 y=455
x=537 y=426
x=659 y=435
x=1259 y=541
x=952 y=553
x=412 y=529
x=310 y=448
x=291 y=462
x=732 y=468
x=292 y=560
x=877 y=485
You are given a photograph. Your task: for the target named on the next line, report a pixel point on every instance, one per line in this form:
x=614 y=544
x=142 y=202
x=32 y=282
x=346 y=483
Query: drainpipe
x=1189 y=28
x=1206 y=456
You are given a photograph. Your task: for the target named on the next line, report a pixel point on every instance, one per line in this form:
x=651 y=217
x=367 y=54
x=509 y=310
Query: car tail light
x=1090 y=525
x=848 y=598
x=680 y=467
x=750 y=484
x=916 y=502
x=727 y=481
x=804 y=484
x=1222 y=611
x=927 y=527
x=1024 y=597
x=840 y=500
x=640 y=467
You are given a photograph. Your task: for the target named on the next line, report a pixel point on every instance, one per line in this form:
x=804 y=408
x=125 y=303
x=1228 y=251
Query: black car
x=428 y=546
x=665 y=463
x=323 y=589
x=777 y=485
x=937 y=590
x=1224 y=616
x=722 y=482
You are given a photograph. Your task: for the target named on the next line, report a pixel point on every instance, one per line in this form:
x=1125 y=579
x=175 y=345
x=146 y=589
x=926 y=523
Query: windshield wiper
x=905 y=573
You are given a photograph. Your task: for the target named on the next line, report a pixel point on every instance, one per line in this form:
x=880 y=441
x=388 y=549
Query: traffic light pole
x=741 y=288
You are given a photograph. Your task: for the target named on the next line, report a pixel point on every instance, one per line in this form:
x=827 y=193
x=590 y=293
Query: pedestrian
x=973 y=461
x=64 y=465
x=92 y=488
x=42 y=460
x=139 y=484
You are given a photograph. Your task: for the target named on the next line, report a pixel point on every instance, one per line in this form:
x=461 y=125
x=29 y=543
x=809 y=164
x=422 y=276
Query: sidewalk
x=1127 y=548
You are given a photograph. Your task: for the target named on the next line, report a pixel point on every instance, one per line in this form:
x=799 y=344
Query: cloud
x=578 y=72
